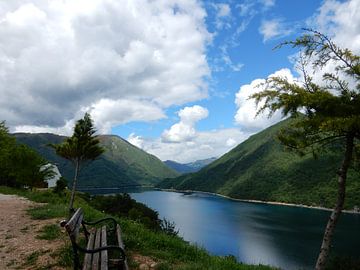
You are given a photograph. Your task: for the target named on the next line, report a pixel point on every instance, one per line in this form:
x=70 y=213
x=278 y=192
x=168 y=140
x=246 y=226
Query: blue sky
x=172 y=77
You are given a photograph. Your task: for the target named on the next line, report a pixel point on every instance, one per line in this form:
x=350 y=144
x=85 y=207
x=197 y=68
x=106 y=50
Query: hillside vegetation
x=122 y=163
x=262 y=169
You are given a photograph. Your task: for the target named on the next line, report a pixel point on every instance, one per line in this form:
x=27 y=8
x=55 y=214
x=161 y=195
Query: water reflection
x=286 y=237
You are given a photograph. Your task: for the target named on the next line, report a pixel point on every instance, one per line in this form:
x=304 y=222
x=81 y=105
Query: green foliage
x=61 y=185
x=169 y=227
x=19 y=164
x=82 y=146
x=331 y=110
x=123 y=205
x=49 y=232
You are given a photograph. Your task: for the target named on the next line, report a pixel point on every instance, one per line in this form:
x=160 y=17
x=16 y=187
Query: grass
x=171 y=252
x=33 y=257
x=49 y=232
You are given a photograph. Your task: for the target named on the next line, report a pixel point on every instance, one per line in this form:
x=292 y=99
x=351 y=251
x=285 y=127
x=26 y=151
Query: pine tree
x=80 y=148
x=330 y=111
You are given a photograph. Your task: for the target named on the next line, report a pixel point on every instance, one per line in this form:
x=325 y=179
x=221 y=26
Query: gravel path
x=18 y=236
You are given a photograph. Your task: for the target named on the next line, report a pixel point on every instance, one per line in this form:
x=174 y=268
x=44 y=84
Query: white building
x=56 y=174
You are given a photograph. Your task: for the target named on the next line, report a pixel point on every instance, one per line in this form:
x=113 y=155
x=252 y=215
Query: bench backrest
x=73 y=225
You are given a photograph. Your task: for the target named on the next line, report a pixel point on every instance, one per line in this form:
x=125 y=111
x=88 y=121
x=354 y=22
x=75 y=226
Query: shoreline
x=258 y=201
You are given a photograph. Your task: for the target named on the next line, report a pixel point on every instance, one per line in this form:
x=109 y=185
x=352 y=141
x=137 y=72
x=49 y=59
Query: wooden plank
x=104 y=253
x=73 y=225
x=121 y=244
x=96 y=256
x=88 y=256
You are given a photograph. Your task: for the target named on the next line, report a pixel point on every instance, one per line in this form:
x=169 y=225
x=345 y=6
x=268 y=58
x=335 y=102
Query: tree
x=330 y=110
x=80 y=148
x=19 y=164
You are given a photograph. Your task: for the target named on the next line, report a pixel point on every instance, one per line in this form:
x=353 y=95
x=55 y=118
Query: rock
x=144 y=266
x=153 y=265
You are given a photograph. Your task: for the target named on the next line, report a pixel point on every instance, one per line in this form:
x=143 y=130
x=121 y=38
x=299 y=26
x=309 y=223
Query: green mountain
x=122 y=164
x=189 y=167
x=261 y=168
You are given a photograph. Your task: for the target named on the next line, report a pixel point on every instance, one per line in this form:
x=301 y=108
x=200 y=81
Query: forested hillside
x=261 y=168
x=122 y=164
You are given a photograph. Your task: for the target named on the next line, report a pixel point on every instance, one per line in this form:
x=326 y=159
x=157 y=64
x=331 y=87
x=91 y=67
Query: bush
x=61 y=185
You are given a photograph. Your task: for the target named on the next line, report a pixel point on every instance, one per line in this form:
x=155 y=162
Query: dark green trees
x=19 y=164
x=80 y=148
x=330 y=110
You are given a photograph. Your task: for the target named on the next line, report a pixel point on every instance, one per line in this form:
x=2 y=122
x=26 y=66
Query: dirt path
x=19 y=247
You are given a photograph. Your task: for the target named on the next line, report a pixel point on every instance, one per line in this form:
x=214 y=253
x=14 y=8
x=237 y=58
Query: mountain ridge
x=190 y=166
x=122 y=164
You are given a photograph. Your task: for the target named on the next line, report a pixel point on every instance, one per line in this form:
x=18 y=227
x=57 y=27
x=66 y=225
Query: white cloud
x=223 y=15
x=136 y=140
x=274 y=28
x=246 y=108
x=341 y=21
x=185 y=130
x=268 y=3
x=204 y=145
x=59 y=57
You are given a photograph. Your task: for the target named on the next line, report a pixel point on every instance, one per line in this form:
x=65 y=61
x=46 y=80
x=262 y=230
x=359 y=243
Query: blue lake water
x=282 y=236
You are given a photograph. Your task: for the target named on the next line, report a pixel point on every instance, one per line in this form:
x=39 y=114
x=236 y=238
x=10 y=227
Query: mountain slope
x=122 y=164
x=188 y=167
x=261 y=168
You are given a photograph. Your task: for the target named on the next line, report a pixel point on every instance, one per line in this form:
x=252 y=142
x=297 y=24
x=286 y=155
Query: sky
x=171 y=76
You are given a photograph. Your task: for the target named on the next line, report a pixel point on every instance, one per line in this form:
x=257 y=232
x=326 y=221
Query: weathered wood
x=121 y=244
x=96 y=239
x=88 y=256
x=96 y=256
x=104 y=253
x=73 y=225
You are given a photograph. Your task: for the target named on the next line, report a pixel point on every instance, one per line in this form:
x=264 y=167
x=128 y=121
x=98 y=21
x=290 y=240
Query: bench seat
x=96 y=250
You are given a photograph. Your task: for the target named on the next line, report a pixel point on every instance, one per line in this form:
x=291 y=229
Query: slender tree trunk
x=71 y=205
x=330 y=227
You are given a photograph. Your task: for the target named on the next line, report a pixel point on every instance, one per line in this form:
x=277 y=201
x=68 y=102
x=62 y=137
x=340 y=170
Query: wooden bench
x=97 y=250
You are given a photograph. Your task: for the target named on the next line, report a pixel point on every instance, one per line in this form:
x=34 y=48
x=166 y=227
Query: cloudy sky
x=171 y=76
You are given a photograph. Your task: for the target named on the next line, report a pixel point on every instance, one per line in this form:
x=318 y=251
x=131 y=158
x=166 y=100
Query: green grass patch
x=49 y=232
x=48 y=211
x=33 y=257
x=64 y=256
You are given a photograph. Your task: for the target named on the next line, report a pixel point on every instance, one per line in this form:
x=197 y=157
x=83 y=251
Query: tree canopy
x=19 y=164
x=80 y=148
x=327 y=109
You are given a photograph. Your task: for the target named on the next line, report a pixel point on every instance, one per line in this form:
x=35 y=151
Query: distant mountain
x=261 y=168
x=122 y=163
x=188 y=167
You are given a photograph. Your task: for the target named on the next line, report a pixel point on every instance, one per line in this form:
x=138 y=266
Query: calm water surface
x=282 y=236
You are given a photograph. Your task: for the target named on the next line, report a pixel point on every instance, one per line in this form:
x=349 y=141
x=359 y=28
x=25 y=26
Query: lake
x=282 y=236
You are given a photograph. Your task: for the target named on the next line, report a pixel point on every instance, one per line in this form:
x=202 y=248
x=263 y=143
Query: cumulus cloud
x=341 y=21
x=136 y=140
x=274 y=28
x=59 y=57
x=246 y=108
x=204 y=145
x=185 y=129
